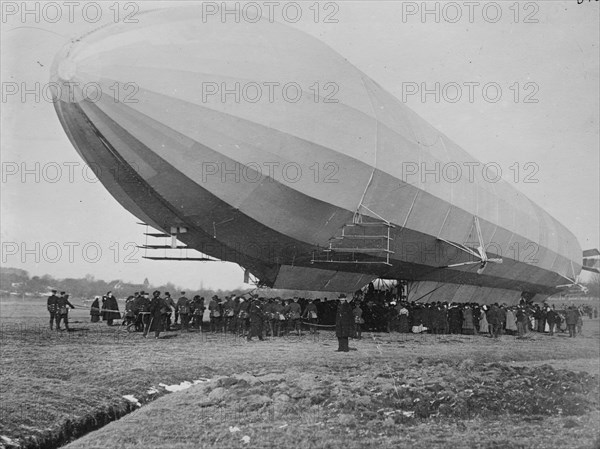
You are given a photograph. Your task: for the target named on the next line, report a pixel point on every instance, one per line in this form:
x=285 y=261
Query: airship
x=256 y=143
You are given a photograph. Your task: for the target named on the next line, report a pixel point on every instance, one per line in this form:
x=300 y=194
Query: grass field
x=395 y=390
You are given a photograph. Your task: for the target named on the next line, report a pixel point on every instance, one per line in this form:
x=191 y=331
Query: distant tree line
x=17 y=281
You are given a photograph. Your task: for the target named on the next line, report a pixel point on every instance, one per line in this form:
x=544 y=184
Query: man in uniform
x=294 y=315
x=183 y=309
x=52 y=307
x=62 y=312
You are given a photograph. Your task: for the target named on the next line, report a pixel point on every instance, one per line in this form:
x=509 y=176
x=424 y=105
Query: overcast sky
x=544 y=51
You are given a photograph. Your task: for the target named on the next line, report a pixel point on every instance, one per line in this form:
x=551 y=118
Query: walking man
x=62 y=312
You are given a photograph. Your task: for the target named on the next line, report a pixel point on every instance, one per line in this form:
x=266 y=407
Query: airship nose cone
x=66 y=69
x=63 y=76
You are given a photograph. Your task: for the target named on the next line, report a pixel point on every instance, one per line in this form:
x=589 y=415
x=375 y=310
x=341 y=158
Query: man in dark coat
x=184 y=310
x=197 y=310
x=62 y=311
x=551 y=319
x=158 y=314
x=495 y=316
x=110 y=309
x=344 y=324
x=571 y=318
x=142 y=305
x=52 y=307
x=257 y=317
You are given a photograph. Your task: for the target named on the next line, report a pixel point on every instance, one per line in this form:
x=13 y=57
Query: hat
x=183 y=293
x=342 y=296
x=156 y=292
x=167 y=294
x=62 y=293
x=53 y=291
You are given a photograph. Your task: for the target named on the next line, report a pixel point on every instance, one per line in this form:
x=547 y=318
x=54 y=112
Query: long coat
x=344 y=321
x=158 y=313
x=95 y=311
x=110 y=309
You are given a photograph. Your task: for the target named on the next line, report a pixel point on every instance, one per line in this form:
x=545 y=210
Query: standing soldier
x=310 y=314
x=62 y=312
x=183 y=308
x=344 y=324
x=294 y=315
x=257 y=317
x=52 y=307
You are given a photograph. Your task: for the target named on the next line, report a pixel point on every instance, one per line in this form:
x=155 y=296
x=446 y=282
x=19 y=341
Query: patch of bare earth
x=396 y=390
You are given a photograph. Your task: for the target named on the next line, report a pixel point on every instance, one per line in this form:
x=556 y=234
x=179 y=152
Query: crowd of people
x=252 y=316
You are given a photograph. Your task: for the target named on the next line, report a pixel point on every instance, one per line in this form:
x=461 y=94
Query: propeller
x=574 y=283
x=480 y=253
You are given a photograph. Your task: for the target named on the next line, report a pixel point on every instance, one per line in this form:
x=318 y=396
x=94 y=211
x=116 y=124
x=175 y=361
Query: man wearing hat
x=294 y=311
x=142 y=305
x=344 y=323
x=52 y=307
x=158 y=314
x=183 y=309
x=62 y=311
x=310 y=314
x=257 y=317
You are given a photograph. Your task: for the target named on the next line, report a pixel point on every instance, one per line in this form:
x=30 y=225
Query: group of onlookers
x=473 y=318
x=250 y=315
